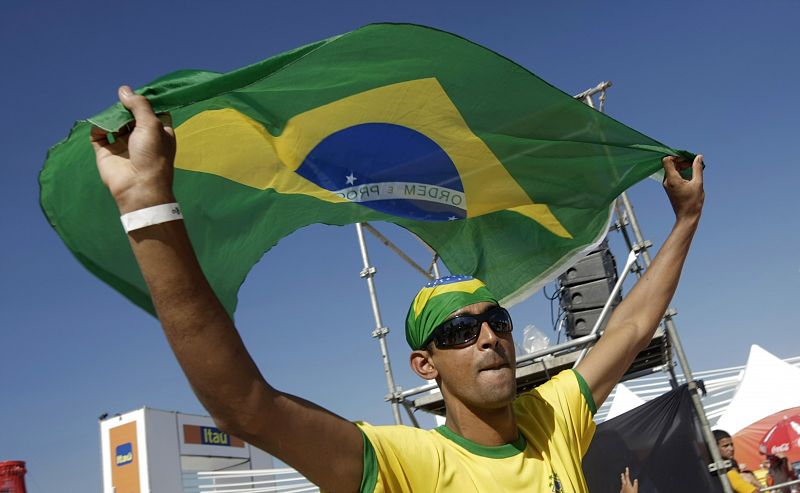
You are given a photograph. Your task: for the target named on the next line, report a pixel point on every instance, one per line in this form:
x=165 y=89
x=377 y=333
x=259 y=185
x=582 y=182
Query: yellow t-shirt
x=738 y=483
x=556 y=427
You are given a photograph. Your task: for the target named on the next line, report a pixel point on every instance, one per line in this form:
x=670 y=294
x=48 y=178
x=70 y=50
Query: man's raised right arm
x=138 y=168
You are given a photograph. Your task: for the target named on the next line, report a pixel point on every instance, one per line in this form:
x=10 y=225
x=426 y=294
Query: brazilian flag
x=505 y=176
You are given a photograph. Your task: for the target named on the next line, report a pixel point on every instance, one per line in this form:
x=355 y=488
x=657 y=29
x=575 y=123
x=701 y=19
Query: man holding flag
x=459 y=335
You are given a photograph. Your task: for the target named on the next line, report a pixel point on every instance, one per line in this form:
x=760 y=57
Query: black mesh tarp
x=662 y=444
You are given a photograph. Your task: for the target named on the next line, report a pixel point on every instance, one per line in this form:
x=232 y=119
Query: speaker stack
x=585 y=288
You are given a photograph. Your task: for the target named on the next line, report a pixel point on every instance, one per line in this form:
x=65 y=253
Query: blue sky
x=717 y=78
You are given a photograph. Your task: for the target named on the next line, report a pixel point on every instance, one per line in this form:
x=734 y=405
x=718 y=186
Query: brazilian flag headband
x=437 y=300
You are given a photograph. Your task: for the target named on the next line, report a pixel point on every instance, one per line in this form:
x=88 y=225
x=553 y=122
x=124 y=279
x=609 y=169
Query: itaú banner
x=199 y=436
x=209 y=435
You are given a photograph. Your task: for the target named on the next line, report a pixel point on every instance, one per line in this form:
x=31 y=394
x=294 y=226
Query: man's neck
x=489 y=427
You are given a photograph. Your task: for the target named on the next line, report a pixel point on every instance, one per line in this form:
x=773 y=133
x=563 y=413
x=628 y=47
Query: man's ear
x=423 y=365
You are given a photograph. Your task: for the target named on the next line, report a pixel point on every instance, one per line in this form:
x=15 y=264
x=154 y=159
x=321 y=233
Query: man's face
x=726 y=448
x=480 y=373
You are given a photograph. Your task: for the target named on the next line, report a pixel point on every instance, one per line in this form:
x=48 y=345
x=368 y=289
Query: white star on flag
x=351 y=180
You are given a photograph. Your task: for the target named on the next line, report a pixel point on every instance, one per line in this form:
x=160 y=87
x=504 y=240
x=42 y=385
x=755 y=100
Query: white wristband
x=151 y=215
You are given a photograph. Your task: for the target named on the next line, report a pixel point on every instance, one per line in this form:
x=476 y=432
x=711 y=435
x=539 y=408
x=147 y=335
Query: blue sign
x=124 y=454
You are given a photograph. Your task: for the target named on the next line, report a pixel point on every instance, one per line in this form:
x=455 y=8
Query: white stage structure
x=726 y=393
x=622 y=401
x=283 y=480
x=768 y=385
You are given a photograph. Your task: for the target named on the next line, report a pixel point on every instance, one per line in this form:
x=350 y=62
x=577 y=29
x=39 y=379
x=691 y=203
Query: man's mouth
x=498 y=366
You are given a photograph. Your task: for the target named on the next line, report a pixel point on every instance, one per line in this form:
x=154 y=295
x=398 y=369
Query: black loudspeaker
x=588 y=295
x=585 y=288
x=598 y=264
x=580 y=323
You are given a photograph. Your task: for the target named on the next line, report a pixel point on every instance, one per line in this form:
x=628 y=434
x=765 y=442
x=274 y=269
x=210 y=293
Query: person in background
x=780 y=472
x=726 y=450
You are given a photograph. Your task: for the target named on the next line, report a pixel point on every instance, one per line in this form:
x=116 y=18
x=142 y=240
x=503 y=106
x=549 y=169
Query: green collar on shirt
x=495 y=452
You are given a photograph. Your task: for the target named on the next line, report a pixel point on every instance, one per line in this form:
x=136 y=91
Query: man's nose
x=487 y=338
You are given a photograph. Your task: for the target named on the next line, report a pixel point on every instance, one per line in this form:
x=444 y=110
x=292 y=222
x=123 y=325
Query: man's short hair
x=720 y=434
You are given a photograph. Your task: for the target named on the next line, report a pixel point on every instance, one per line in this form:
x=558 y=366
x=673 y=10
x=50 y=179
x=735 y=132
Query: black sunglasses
x=464 y=329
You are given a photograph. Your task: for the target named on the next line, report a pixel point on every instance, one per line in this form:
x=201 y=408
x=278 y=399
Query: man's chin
x=500 y=384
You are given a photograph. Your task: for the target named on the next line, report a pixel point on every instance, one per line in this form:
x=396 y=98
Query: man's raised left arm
x=634 y=321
